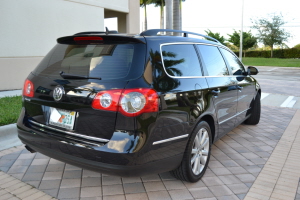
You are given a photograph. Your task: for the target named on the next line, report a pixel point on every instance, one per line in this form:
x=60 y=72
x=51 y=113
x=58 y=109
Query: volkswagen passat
x=131 y=105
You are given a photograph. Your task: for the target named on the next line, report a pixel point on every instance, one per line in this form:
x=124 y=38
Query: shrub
x=277 y=53
x=297 y=46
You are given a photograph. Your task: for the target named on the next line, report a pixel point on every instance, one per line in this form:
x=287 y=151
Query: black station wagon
x=131 y=105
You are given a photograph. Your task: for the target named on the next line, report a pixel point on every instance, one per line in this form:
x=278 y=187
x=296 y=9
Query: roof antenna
x=107 y=31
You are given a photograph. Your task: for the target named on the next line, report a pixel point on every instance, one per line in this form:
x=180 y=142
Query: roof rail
x=153 y=32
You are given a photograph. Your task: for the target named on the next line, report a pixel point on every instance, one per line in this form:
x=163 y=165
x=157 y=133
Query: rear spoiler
x=98 y=39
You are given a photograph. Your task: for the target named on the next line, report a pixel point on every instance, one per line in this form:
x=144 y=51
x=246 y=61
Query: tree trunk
x=169 y=15
x=145 y=7
x=180 y=14
x=176 y=16
x=271 y=51
x=162 y=15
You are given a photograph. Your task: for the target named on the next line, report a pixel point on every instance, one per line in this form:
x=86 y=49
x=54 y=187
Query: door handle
x=216 y=92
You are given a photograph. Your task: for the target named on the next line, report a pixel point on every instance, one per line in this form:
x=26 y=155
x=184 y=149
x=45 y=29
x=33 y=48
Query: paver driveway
x=236 y=161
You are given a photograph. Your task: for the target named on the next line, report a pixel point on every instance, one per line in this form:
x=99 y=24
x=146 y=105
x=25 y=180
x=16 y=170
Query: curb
x=9 y=136
x=10 y=93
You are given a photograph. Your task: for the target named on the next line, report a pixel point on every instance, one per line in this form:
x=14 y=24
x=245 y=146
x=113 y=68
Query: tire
x=255 y=112
x=196 y=156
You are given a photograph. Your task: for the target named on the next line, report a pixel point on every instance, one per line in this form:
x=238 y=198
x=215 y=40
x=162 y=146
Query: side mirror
x=252 y=70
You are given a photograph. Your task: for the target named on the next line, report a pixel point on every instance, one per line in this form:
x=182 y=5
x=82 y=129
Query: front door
x=222 y=87
x=245 y=85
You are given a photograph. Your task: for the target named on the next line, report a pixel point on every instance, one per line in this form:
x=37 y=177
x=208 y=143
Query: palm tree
x=169 y=16
x=161 y=4
x=143 y=3
x=180 y=8
x=177 y=14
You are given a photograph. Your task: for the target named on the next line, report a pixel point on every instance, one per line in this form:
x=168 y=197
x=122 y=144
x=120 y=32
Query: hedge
x=277 y=53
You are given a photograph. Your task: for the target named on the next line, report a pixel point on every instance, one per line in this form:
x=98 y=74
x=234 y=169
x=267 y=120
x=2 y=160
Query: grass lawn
x=278 y=62
x=10 y=108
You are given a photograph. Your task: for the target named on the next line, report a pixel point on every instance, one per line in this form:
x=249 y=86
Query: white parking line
x=272 y=69
x=263 y=95
x=289 y=102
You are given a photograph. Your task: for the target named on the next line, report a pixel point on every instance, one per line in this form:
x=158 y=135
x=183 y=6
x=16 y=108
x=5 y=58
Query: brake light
x=129 y=102
x=92 y=38
x=134 y=102
x=28 y=89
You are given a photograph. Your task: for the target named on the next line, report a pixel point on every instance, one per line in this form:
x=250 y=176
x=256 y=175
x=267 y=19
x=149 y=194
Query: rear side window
x=107 y=61
x=234 y=63
x=181 y=60
x=213 y=60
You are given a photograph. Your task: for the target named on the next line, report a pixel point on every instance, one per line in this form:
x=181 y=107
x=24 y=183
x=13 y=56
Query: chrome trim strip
x=233 y=116
x=192 y=43
x=70 y=133
x=170 y=139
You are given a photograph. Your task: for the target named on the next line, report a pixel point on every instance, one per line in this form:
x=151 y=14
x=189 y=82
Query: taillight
x=107 y=100
x=28 y=89
x=129 y=102
x=137 y=101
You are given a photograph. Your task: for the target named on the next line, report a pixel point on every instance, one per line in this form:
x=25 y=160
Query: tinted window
x=105 y=61
x=181 y=60
x=234 y=63
x=213 y=60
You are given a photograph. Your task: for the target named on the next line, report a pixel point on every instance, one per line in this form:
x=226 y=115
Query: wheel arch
x=259 y=91
x=211 y=122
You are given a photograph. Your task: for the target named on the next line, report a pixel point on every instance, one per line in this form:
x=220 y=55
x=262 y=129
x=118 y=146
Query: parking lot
x=250 y=162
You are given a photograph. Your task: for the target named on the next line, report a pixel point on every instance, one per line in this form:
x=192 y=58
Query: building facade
x=29 y=29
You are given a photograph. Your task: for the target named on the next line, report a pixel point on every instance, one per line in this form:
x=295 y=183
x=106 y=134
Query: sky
x=224 y=16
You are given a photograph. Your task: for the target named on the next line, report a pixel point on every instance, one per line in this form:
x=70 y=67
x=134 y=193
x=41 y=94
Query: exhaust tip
x=30 y=149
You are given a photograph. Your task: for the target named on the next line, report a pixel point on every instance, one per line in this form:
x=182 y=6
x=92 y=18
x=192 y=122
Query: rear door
x=221 y=85
x=179 y=79
x=109 y=65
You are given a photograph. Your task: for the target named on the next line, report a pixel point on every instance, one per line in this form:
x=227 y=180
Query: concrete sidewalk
x=10 y=93
x=8 y=133
x=250 y=162
x=9 y=136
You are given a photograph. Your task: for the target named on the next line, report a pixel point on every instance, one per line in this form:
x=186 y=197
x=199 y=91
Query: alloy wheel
x=200 y=151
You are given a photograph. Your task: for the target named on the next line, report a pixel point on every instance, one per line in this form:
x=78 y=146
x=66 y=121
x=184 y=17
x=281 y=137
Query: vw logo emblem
x=58 y=92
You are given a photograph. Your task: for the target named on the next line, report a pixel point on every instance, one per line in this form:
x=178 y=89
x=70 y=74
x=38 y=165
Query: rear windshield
x=107 y=61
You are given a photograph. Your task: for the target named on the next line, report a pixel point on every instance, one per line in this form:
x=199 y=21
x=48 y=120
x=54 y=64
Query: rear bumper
x=45 y=148
x=116 y=157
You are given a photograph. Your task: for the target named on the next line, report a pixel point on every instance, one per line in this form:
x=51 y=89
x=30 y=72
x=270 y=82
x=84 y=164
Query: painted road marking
x=272 y=69
x=269 y=99
x=263 y=95
x=289 y=102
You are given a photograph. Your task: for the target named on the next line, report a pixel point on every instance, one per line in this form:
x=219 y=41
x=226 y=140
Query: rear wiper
x=73 y=76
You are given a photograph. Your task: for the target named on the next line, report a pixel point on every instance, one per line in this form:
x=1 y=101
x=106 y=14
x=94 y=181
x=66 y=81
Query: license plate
x=62 y=118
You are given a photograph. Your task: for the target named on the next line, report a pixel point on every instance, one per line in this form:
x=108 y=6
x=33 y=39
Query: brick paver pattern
x=237 y=159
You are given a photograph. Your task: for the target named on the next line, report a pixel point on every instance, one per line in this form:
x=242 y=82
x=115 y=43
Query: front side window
x=234 y=63
x=213 y=60
x=181 y=60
